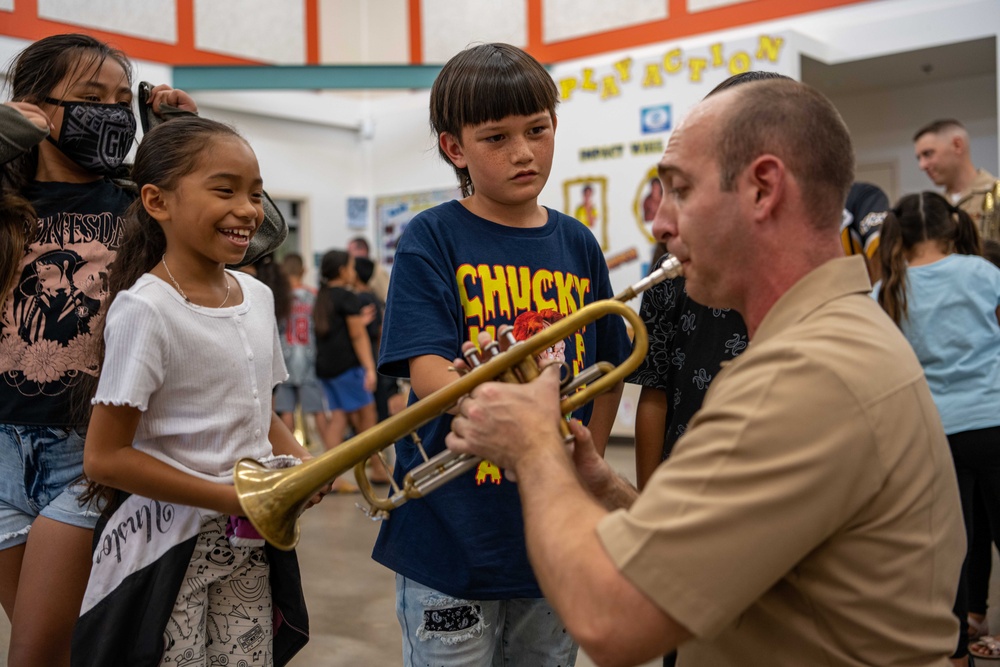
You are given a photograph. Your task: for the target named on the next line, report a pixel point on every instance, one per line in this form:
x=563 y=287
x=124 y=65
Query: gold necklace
x=181 y=292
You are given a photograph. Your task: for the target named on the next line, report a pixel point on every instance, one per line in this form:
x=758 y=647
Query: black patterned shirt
x=687 y=344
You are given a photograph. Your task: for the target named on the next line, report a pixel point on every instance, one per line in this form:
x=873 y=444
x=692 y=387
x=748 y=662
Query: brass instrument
x=990 y=225
x=274 y=499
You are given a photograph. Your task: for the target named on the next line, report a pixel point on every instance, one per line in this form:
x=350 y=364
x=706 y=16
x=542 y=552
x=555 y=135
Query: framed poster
x=586 y=199
x=393 y=212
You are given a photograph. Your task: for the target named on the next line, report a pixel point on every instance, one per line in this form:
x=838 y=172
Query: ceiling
x=939 y=63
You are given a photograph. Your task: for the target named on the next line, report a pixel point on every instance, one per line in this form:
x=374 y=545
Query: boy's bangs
x=510 y=92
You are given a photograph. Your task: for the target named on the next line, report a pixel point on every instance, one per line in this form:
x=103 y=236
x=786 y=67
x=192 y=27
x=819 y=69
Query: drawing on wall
x=357 y=213
x=393 y=212
x=586 y=199
x=647 y=199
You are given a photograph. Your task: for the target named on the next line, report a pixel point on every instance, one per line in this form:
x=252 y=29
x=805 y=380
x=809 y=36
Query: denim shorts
x=347 y=391
x=41 y=470
x=309 y=395
x=451 y=632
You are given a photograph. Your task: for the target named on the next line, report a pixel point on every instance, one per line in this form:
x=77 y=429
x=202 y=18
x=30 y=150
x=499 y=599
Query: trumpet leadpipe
x=274 y=499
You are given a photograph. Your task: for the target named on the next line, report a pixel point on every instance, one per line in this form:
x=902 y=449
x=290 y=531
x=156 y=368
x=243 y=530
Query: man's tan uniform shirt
x=810 y=515
x=972 y=203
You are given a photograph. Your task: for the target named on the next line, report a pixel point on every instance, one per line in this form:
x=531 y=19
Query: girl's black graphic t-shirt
x=47 y=321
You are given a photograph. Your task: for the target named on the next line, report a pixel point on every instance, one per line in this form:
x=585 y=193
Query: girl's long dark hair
x=271 y=274
x=35 y=72
x=166 y=154
x=916 y=218
x=329 y=269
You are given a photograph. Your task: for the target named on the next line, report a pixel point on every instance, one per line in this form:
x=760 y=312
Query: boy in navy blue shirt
x=466 y=594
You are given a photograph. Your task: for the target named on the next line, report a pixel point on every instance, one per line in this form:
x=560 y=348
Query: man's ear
x=766 y=177
x=453 y=149
x=153 y=202
x=957 y=143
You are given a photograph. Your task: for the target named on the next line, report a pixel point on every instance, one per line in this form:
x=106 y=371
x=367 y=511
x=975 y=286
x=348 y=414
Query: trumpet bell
x=271 y=506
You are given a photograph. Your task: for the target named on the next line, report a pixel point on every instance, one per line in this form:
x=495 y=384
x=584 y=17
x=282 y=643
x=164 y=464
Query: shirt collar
x=832 y=280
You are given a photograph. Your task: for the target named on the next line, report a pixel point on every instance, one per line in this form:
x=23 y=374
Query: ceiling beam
x=305 y=77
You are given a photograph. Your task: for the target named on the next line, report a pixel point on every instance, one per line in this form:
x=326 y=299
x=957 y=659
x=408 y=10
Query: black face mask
x=95 y=136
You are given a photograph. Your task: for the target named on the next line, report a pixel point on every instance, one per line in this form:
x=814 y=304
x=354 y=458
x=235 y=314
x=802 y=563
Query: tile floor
x=351 y=598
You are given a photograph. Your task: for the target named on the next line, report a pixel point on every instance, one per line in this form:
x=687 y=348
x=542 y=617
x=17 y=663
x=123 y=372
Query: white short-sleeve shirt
x=202 y=377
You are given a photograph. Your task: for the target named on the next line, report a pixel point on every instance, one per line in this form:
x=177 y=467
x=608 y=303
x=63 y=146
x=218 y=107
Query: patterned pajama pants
x=222 y=615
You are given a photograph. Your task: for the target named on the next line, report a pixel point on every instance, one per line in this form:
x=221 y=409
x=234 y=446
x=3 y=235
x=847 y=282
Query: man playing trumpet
x=810 y=514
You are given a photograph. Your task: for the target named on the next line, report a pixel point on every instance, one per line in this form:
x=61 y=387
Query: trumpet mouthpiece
x=670 y=267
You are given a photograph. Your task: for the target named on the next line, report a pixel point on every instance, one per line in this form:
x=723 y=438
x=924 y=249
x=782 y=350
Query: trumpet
x=274 y=499
x=990 y=225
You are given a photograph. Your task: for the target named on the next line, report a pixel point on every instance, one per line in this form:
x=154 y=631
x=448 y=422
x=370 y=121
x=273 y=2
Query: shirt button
x=255 y=393
x=250 y=356
x=256 y=433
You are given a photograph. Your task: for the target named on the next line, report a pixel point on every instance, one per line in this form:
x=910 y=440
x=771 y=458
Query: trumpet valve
x=472 y=357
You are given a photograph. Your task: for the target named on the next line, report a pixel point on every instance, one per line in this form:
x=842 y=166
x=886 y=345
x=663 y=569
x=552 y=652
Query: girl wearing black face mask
x=66 y=131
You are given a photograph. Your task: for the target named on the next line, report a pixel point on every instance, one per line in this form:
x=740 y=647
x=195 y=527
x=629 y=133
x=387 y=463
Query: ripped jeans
x=443 y=631
x=40 y=475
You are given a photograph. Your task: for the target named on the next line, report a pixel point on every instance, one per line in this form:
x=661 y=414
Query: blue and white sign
x=656 y=119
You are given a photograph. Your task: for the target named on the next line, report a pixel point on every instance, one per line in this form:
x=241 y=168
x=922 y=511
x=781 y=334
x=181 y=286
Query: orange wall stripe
x=312 y=31
x=416 y=33
x=679 y=24
x=24 y=23
x=185 y=24
x=536 y=21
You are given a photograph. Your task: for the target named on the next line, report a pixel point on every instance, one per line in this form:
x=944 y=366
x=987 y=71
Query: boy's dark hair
x=487 y=83
x=364 y=267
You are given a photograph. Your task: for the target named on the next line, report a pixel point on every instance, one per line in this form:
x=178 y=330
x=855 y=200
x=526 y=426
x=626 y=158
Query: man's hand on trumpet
x=510 y=424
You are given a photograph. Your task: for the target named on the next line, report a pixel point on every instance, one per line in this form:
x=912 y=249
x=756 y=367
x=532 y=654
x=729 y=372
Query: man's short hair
x=293 y=264
x=939 y=127
x=360 y=241
x=798 y=124
x=746 y=77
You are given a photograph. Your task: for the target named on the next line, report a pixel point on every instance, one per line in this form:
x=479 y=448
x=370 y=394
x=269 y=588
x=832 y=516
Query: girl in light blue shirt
x=946 y=300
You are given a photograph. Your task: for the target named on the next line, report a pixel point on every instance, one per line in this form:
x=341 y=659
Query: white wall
x=404 y=154
x=403 y=158
x=882 y=124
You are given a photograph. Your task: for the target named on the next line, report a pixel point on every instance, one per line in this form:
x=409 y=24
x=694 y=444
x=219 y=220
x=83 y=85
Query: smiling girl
x=191 y=356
